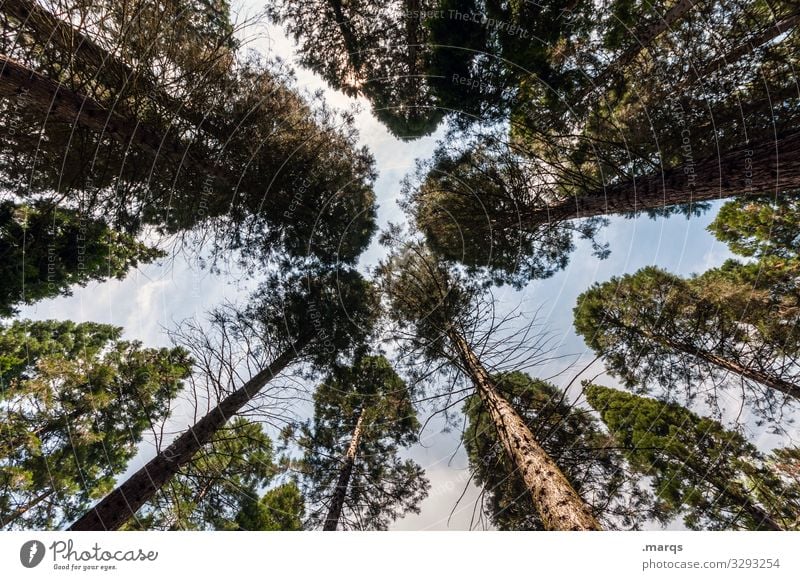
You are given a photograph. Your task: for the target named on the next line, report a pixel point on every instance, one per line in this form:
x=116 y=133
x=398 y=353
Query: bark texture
x=771 y=167
x=122 y=503
x=559 y=505
x=343 y=482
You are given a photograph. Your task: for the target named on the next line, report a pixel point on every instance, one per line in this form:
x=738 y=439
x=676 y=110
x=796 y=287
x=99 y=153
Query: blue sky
x=158 y=296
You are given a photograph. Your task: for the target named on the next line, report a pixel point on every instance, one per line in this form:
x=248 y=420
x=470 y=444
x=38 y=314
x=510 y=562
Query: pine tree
x=363 y=418
x=491 y=205
x=765 y=229
x=161 y=122
x=654 y=328
x=315 y=317
x=280 y=509
x=571 y=436
x=712 y=477
x=375 y=49
x=46 y=250
x=438 y=310
x=211 y=490
x=592 y=111
x=76 y=401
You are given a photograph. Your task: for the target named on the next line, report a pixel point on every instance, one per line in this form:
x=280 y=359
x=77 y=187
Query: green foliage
x=363 y=47
x=654 y=328
x=281 y=509
x=335 y=309
x=76 y=401
x=227 y=148
x=220 y=481
x=457 y=66
x=711 y=476
x=784 y=491
x=575 y=102
x=421 y=62
x=426 y=297
x=476 y=206
x=586 y=455
x=767 y=229
x=382 y=486
x=45 y=251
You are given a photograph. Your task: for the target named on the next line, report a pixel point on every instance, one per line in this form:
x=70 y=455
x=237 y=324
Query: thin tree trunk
x=122 y=503
x=764 y=520
x=766 y=379
x=346 y=471
x=743 y=49
x=52 y=100
x=559 y=505
x=350 y=42
x=758 y=169
x=642 y=39
x=20 y=511
x=198 y=497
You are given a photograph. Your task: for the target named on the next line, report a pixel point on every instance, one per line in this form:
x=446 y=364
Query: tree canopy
x=46 y=250
x=655 y=329
x=164 y=122
x=578 y=111
x=356 y=478
x=710 y=476
x=77 y=400
x=223 y=478
x=129 y=127
x=572 y=437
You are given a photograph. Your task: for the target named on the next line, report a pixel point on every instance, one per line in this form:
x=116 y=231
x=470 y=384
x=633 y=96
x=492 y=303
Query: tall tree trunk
x=350 y=42
x=346 y=471
x=642 y=39
x=122 y=503
x=49 y=30
x=49 y=99
x=20 y=511
x=764 y=520
x=559 y=505
x=757 y=169
x=784 y=25
x=766 y=379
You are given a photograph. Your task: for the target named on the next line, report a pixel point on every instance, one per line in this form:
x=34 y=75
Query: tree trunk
x=559 y=505
x=764 y=520
x=351 y=44
x=49 y=30
x=122 y=503
x=346 y=471
x=757 y=169
x=641 y=41
x=20 y=511
x=733 y=55
x=49 y=99
x=766 y=379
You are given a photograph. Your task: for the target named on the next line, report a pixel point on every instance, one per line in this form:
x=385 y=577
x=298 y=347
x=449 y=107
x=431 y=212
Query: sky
x=158 y=296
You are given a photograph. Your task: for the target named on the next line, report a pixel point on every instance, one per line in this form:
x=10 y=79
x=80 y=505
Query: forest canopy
x=328 y=265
